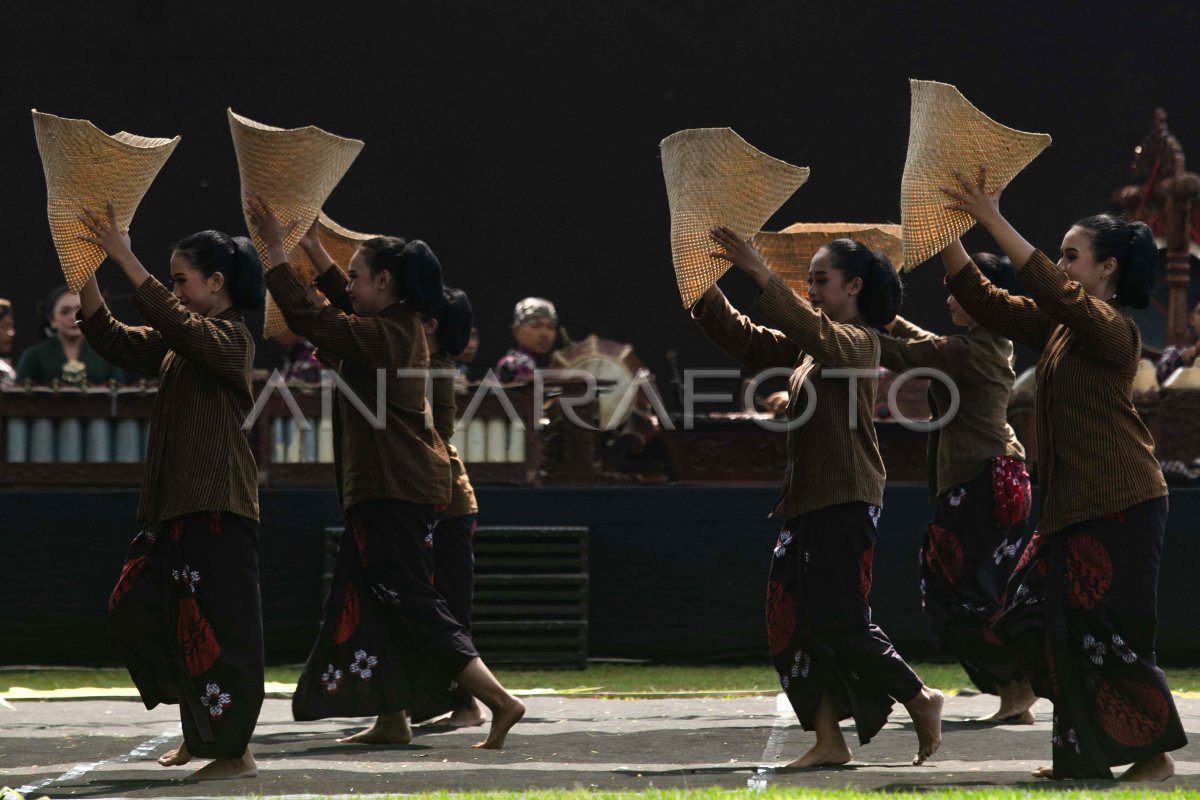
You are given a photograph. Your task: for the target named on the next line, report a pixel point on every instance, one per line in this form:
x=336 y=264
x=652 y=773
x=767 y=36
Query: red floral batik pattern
x=781 y=617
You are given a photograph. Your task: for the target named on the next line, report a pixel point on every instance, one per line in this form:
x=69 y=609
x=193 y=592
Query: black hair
x=455 y=320
x=1132 y=245
x=1000 y=272
x=881 y=288
x=415 y=269
x=46 y=309
x=232 y=256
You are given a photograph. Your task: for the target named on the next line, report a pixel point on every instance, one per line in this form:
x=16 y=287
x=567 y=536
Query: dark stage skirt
x=454 y=564
x=389 y=641
x=819 y=620
x=186 y=620
x=454 y=577
x=1082 y=611
x=975 y=539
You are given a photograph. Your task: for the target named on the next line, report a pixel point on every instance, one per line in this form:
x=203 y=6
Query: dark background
x=520 y=139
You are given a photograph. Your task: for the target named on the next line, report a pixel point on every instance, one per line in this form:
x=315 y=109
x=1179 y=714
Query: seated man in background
x=535 y=329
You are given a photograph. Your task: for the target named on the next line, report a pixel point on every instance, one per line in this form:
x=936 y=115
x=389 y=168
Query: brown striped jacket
x=406 y=459
x=198 y=458
x=827 y=462
x=445 y=415
x=979 y=362
x=1095 y=455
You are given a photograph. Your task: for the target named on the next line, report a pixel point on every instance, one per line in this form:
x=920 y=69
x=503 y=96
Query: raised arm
x=911 y=346
x=832 y=343
x=330 y=278
x=349 y=337
x=1099 y=327
x=138 y=349
x=364 y=341
x=221 y=346
x=755 y=347
x=1018 y=318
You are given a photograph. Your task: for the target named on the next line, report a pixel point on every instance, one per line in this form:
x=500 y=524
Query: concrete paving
x=106 y=749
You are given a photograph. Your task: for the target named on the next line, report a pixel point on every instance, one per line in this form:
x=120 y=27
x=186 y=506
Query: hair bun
x=245 y=253
x=454 y=321
x=422 y=276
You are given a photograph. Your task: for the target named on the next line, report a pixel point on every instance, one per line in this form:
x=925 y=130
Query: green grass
x=817 y=794
x=615 y=678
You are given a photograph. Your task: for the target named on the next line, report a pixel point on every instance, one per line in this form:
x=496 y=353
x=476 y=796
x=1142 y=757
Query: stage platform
x=677 y=573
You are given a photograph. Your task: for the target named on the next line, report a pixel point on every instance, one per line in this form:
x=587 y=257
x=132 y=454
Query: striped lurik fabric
x=404 y=458
x=1096 y=456
x=198 y=458
x=445 y=414
x=980 y=364
x=828 y=462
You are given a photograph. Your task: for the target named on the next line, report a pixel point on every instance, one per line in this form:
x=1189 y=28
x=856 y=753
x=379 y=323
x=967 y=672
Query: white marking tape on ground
x=142 y=750
x=774 y=749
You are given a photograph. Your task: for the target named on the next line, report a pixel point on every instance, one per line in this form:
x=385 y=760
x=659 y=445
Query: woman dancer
x=387 y=633
x=447 y=334
x=833 y=663
x=980 y=490
x=1082 y=602
x=65 y=354
x=185 y=616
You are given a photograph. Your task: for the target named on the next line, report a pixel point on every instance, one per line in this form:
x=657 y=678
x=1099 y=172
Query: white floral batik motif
x=956 y=497
x=215 y=700
x=364 y=665
x=331 y=679
x=1094 y=650
x=784 y=681
x=1006 y=550
x=1123 y=650
x=189 y=577
x=781 y=544
x=1025 y=597
x=802 y=665
x=874 y=512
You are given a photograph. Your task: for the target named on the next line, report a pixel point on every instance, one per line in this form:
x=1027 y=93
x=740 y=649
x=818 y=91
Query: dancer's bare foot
x=225 y=768
x=175 y=758
x=1005 y=717
x=388 y=729
x=1046 y=773
x=504 y=716
x=1016 y=700
x=469 y=717
x=824 y=754
x=926 y=712
x=1150 y=770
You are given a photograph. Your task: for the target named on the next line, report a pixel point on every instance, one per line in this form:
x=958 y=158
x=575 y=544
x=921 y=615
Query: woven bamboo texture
x=293 y=169
x=946 y=133
x=85 y=166
x=790 y=251
x=338 y=241
x=715 y=177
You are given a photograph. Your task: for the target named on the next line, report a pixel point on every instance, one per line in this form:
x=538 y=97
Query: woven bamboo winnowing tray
x=946 y=133
x=85 y=166
x=715 y=177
